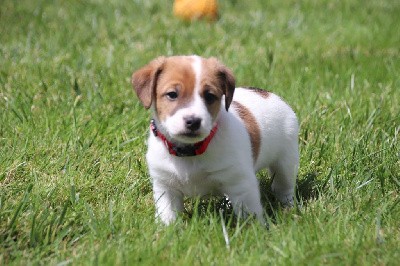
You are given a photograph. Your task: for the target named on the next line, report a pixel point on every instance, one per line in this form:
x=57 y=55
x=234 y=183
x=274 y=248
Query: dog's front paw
x=166 y=217
x=287 y=200
x=169 y=203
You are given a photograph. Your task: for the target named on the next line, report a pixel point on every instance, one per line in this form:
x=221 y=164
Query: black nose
x=192 y=123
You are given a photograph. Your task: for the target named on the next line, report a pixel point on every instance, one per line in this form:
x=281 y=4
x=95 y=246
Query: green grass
x=74 y=187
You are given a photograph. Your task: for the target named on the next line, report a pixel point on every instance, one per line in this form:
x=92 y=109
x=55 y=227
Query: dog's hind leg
x=284 y=173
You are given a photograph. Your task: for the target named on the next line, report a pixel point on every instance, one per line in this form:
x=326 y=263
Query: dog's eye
x=209 y=97
x=172 y=95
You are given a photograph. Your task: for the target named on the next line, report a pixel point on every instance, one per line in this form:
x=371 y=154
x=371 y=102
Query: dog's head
x=185 y=93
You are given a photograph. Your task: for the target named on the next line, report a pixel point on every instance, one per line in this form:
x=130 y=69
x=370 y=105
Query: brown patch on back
x=261 y=92
x=252 y=127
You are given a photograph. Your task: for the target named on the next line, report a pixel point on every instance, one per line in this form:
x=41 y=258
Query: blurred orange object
x=196 y=9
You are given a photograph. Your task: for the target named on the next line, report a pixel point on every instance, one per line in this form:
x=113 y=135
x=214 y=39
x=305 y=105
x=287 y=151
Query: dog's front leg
x=168 y=202
x=245 y=199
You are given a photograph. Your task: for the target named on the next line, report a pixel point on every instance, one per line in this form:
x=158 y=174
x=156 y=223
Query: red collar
x=187 y=150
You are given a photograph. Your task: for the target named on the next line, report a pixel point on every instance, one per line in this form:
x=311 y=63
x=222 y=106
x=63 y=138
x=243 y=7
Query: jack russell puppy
x=209 y=138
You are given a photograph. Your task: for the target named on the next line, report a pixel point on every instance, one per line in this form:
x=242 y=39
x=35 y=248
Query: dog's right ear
x=144 y=80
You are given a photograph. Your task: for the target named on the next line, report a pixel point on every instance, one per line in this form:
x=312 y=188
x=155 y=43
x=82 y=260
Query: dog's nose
x=192 y=123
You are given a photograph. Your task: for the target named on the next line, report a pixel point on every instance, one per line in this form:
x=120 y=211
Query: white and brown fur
x=256 y=130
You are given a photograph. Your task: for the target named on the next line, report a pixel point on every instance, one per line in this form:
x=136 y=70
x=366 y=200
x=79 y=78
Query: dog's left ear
x=144 y=81
x=226 y=81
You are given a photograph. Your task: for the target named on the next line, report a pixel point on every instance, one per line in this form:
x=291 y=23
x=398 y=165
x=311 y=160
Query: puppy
x=209 y=138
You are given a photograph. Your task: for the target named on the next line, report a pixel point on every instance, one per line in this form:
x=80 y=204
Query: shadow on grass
x=307 y=188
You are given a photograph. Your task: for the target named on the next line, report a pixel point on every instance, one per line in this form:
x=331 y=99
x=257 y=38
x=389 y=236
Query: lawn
x=74 y=187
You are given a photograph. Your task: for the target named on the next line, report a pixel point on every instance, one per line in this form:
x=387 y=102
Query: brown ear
x=227 y=81
x=225 y=78
x=144 y=80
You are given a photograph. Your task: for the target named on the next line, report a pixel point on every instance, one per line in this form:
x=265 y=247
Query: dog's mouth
x=190 y=134
x=189 y=137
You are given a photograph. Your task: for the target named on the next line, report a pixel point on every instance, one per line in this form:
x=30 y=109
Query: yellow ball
x=196 y=9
